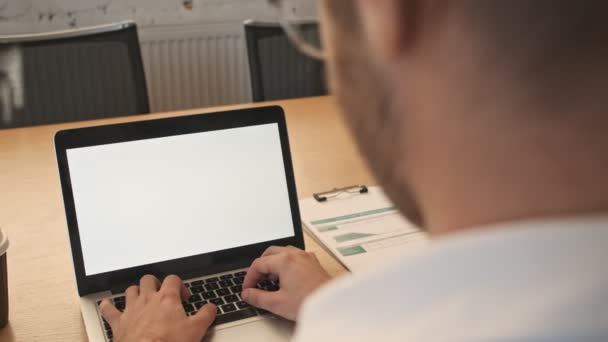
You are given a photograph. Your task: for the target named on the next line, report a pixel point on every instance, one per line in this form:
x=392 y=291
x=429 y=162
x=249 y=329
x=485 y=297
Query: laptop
x=198 y=196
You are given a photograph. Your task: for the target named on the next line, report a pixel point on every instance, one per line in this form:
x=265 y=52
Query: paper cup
x=3 y=280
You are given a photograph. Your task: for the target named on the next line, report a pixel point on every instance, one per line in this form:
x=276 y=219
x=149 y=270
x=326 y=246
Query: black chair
x=278 y=70
x=73 y=75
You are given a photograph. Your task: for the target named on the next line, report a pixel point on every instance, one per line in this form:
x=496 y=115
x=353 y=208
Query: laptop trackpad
x=268 y=329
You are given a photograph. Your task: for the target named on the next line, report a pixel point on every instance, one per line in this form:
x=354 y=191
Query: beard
x=366 y=104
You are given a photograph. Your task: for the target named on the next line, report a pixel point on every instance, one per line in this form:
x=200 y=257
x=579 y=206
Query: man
x=485 y=121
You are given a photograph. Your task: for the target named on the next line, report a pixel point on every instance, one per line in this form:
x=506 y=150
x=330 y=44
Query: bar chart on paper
x=360 y=230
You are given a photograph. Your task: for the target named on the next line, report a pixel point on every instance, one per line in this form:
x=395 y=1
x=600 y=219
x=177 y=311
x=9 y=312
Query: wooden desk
x=43 y=298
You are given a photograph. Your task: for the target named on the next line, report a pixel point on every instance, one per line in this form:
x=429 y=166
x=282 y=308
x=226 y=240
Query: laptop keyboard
x=224 y=291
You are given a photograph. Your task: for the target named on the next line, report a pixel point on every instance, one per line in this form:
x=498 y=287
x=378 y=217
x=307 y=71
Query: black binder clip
x=354 y=189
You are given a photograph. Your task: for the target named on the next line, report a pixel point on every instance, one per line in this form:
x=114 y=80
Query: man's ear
x=388 y=26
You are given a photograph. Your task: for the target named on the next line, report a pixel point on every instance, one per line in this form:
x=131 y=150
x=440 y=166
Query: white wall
x=21 y=16
x=167 y=20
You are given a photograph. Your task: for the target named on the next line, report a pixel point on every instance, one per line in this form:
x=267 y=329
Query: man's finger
x=185 y=293
x=262 y=267
x=131 y=294
x=172 y=286
x=262 y=299
x=204 y=317
x=148 y=285
x=109 y=312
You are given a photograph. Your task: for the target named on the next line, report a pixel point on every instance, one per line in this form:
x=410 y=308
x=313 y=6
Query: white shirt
x=526 y=281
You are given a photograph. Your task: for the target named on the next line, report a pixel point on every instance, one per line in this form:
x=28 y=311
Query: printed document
x=360 y=230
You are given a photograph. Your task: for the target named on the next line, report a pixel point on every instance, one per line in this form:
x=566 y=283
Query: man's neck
x=499 y=177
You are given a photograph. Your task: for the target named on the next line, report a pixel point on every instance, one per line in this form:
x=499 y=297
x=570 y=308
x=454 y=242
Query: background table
x=42 y=291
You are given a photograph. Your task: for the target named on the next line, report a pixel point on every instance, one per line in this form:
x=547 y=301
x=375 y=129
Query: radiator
x=192 y=66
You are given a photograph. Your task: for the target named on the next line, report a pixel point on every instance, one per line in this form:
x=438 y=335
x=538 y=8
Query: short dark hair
x=551 y=49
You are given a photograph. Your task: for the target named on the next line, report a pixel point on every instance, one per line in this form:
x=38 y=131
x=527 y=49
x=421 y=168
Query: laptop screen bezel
x=186 y=267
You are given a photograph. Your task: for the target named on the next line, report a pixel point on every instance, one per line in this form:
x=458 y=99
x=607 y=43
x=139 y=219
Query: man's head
x=446 y=96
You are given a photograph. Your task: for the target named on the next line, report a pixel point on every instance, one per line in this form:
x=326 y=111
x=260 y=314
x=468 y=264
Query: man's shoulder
x=491 y=283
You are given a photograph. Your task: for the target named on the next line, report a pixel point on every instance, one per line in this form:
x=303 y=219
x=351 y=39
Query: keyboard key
x=198 y=305
x=209 y=295
x=236 y=289
x=222 y=292
x=240 y=274
x=226 y=276
x=189 y=308
x=211 y=286
x=120 y=306
x=226 y=283
x=234 y=316
x=194 y=298
x=231 y=298
x=212 y=280
x=228 y=308
x=268 y=285
x=242 y=305
x=119 y=299
x=197 y=289
x=198 y=282
x=238 y=280
x=217 y=301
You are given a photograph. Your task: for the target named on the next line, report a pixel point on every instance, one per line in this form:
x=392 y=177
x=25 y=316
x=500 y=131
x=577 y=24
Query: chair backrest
x=72 y=75
x=278 y=70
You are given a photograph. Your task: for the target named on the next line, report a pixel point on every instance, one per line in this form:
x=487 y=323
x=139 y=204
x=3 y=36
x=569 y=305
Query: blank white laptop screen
x=153 y=200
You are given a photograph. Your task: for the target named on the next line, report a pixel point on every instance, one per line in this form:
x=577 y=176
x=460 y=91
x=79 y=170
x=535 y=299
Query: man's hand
x=299 y=273
x=154 y=314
